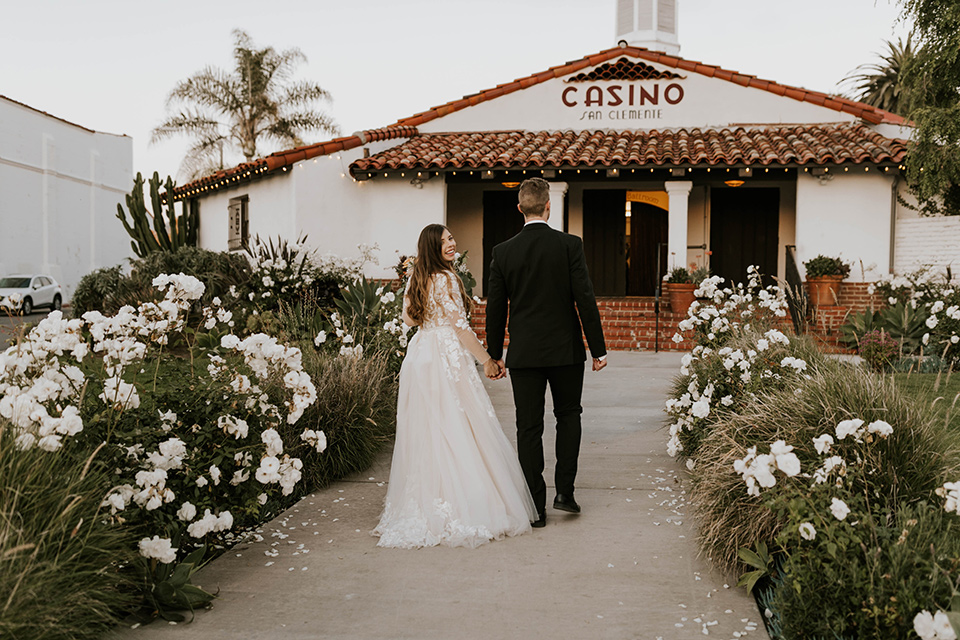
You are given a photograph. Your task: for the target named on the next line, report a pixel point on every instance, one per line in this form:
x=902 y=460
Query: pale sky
x=109 y=64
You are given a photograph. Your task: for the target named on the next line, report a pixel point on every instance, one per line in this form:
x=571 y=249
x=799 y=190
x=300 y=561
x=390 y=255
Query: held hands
x=494 y=369
x=599 y=364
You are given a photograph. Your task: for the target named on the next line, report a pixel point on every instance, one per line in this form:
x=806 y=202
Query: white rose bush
x=190 y=437
x=852 y=485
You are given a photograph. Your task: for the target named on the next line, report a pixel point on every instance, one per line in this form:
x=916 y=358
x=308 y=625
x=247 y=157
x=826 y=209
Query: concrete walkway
x=627 y=567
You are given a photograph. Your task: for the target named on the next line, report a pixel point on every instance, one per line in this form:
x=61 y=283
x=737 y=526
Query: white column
x=558 y=190
x=679 y=192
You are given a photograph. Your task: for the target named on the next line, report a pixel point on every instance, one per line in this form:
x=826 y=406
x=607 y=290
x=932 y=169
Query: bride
x=455 y=479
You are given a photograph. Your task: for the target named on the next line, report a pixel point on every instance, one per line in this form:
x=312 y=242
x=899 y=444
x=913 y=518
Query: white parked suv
x=24 y=293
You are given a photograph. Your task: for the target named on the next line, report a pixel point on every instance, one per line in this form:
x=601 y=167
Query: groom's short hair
x=534 y=196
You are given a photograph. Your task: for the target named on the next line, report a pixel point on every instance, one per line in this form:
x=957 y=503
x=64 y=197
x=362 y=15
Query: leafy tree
x=881 y=84
x=257 y=101
x=933 y=86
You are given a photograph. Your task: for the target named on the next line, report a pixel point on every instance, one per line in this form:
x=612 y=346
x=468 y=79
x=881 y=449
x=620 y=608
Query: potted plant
x=824 y=276
x=679 y=287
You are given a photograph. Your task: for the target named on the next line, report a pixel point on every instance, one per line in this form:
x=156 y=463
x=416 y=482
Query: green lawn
x=925 y=385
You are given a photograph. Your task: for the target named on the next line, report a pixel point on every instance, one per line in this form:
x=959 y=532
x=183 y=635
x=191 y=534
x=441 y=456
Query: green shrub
x=678 y=275
x=217 y=270
x=59 y=556
x=96 y=287
x=867 y=580
x=878 y=349
x=826 y=266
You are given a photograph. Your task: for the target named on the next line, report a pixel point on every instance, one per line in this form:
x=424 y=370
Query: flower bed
x=822 y=483
x=191 y=435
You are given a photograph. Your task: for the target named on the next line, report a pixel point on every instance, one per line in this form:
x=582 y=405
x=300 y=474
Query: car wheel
x=27 y=307
x=57 y=303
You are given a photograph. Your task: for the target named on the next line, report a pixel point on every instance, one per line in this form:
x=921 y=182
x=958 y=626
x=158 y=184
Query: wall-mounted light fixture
x=734 y=183
x=745 y=173
x=613 y=173
x=510 y=185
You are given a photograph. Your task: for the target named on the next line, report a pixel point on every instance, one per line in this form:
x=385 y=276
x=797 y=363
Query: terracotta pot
x=680 y=296
x=825 y=291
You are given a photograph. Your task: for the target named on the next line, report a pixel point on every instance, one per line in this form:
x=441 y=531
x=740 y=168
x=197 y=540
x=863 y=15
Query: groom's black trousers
x=529 y=391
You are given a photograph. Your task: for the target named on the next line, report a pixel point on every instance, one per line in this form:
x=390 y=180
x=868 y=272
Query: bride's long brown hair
x=428 y=262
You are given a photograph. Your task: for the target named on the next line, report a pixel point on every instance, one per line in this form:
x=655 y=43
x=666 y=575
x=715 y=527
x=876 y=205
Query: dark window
x=239 y=220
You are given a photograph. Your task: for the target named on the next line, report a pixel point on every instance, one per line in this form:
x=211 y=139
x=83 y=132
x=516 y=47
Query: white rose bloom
x=202 y=482
x=823 y=443
x=807 y=532
x=932 y=322
x=262 y=498
x=229 y=341
x=701 y=408
x=187 y=512
x=839 y=509
x=941 y=624
x=849 y=428
x=159 y=548
x=320 y=339
x=25 y=441
x=937 y=307
x=923 y=625
x=215 y=474
x=880 y=427
x=49 y=443
x=274 y=443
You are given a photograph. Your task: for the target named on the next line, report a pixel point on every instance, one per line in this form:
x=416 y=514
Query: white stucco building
x=648 y=153
x=59 y=188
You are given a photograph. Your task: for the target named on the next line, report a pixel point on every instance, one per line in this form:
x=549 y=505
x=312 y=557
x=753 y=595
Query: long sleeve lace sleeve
x=448 y=300
x=407 y=320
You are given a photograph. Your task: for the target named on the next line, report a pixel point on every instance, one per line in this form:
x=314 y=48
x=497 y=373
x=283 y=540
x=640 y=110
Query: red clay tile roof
x=623 y=69
x=872 y=115
x=282 y=159
x=790 y=145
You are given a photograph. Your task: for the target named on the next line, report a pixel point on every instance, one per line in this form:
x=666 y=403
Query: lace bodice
x=445 y=310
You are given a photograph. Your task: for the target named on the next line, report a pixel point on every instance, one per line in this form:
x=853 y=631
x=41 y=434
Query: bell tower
x=648 y=23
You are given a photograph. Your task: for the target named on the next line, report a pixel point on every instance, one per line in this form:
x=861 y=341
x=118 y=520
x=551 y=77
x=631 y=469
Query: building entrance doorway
x=744 y=231
x=622 y=231
x=501 y=221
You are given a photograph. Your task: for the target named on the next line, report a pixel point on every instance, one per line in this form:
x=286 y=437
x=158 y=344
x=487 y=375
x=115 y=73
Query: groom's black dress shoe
x=566 y=503
x=540 y=522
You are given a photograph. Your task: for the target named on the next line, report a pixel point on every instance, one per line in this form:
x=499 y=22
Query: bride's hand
x=491 y=369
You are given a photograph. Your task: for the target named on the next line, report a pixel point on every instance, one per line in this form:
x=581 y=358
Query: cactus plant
x=170 y=235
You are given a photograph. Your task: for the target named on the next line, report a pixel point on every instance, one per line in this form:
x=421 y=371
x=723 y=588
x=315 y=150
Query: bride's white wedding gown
x=455 y=479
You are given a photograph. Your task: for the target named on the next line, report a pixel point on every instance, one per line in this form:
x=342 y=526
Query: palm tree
x=881 y=84
x=257 y=101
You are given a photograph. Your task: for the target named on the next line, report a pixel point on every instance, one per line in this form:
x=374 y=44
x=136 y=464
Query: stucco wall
x=59 y=188
x=337 y=213
x=706 y=102
x=847 y=216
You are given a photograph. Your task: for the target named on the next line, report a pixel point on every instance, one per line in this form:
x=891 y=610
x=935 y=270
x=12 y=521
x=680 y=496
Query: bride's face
x=448 y=246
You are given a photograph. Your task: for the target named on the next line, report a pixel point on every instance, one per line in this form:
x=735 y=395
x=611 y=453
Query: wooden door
x=744 y=231
x=604 y=240
x=501 y=221
x=648 y=229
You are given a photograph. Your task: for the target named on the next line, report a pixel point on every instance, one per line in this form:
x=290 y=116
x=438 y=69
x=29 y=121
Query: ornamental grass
x=59 y=556
x=909 y=465
x=356 y=409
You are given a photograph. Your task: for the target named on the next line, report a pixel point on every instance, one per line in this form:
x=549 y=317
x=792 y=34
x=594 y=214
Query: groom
x=541 y=274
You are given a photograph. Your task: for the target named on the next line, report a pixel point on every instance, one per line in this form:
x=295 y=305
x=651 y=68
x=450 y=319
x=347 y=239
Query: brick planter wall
x=825 y=321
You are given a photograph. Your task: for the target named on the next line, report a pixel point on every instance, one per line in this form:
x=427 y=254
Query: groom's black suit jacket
x=543 y=274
